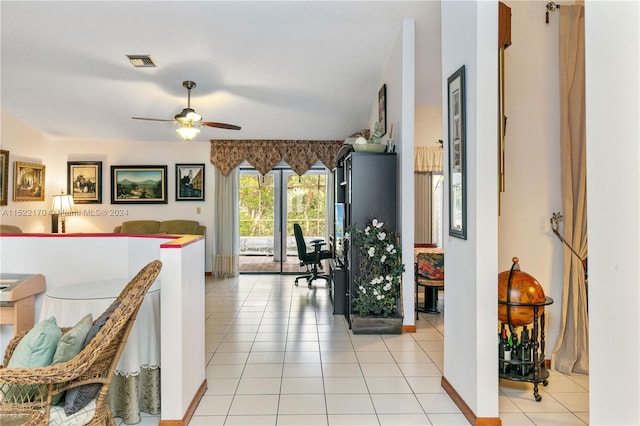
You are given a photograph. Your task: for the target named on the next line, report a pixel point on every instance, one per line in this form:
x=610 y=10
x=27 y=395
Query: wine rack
x=534 y=369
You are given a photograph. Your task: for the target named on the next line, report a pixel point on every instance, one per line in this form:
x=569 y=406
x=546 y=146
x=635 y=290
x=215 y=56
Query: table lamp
x=63 y=205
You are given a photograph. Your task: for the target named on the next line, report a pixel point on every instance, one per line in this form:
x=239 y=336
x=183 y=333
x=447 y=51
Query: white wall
x=399 y=76
x=469 y=37
x=612 y=51
x=532 y=155
x=428 y=127
x=22 y=142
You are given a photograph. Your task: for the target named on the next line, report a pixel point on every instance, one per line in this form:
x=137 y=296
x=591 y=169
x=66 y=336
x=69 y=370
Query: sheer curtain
x=422 y=207
x=427 y=159
x=571 y=351
x=226 y=230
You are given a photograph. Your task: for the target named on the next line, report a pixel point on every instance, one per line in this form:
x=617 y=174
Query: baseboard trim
x=408 y=328
x=190 y=410
x=208 y=274
x=466 y=410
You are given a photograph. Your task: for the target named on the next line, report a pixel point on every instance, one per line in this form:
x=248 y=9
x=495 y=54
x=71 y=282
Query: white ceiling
x=289 y=69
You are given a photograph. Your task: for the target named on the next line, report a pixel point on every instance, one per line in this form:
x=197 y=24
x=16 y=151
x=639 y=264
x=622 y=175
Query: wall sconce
x=62 y=205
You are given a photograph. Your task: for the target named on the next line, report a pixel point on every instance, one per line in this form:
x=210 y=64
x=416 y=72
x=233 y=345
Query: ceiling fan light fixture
x=188 y=115
x=187 y=132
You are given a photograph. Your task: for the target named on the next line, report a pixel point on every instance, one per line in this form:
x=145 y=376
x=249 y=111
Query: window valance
x=265 y=154
x=428 y=159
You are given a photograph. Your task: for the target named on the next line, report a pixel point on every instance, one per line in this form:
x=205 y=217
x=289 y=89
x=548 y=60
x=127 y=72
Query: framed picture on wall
x=28 y=181
x=382 y=108
x=138 y=184
x=84 y=181
x=457 y=156
x=4 y=177
x=190 y=182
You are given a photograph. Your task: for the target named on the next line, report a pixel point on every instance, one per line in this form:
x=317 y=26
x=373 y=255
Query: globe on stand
x=524 y=289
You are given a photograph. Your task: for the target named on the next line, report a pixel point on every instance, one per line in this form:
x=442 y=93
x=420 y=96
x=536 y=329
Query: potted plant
x=376 y=303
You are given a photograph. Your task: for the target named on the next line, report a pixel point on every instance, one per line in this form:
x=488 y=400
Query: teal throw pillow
x=70 y=345
x=37 y=347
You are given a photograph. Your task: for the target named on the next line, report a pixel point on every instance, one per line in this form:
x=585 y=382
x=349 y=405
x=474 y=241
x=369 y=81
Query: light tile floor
x=277 y=356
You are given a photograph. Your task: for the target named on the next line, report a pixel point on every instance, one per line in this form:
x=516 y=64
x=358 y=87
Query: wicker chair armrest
x=36 y=375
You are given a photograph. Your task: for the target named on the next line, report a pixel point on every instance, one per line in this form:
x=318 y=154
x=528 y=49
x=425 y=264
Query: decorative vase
x=376 y=325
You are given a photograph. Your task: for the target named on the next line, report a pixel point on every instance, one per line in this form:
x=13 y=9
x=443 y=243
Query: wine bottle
x=515 y=368
x=525 y=352
x=500 y=348
x=506 y=349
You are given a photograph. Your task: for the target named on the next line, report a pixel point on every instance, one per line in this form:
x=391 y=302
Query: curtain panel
x=428 y=159
x=265 y=154
x=226 y=241
x=571 y=353
x=422 y=208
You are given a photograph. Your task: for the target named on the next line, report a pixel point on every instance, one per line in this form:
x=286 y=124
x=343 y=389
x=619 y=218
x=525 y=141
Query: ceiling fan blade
x=152 y=119
x=221 y=125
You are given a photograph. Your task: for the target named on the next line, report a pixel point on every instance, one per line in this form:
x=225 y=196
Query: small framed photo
x=4 y=177
x=382 y=108
x=84 y=181
x=138 y=184
x=189 y=182
x=457 y=156
x=28 y=181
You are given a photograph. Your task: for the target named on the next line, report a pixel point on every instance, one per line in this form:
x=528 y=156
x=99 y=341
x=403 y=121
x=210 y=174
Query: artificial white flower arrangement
x=380 y=270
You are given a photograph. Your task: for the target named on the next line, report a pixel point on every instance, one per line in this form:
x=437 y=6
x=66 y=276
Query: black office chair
x=311 y=260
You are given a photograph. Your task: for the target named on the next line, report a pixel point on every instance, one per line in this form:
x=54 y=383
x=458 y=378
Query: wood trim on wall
x=466 y=410
x=190 y=410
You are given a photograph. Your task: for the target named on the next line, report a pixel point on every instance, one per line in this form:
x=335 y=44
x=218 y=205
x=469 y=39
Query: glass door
x=269 y=206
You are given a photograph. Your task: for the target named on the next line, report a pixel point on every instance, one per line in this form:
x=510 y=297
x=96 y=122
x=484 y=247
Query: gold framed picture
x=4 y=176
x=28 y=181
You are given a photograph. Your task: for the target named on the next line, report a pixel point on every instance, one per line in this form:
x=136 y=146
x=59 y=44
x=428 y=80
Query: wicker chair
x=94 y=364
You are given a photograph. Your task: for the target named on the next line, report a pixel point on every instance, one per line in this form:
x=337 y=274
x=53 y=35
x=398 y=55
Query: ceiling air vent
x=139 y=61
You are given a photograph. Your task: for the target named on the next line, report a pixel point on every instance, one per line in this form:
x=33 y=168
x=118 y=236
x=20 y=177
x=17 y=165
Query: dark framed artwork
x=457 y=156
x=382 y=108
x=139 y=184
x=28 y=181
x=190 y=182
x=4 y=177
x=84 y=181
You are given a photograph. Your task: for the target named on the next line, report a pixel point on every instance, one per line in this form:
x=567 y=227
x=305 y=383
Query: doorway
x=269 y=206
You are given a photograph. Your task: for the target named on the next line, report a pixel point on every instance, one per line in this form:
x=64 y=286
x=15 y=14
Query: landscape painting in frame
x=84 y=181
x=28 y=180
x=189 y=182
x=139 y=184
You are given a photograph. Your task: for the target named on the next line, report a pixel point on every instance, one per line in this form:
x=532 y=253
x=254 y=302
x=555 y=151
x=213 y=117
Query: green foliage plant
x=380 y=270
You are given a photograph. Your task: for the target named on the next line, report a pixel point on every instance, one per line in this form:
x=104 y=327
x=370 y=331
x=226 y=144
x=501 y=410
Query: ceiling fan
x=189 y=120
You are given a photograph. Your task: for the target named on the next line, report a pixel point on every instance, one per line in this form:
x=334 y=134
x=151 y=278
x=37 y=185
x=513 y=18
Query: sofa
x=9 y=229
x=166 y=227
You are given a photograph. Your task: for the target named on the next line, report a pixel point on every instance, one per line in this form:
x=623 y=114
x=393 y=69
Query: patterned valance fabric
x=265 y=154
x=428 y=159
